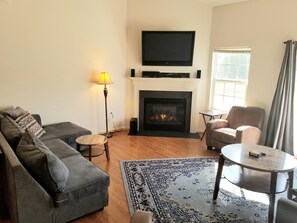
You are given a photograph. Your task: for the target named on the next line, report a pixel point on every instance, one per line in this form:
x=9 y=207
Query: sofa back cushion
x=25 y=120
x=11 y=131
x=15 y=112
x=47 y=169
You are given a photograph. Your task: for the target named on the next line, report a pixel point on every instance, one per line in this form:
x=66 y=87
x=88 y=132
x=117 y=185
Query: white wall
x=49 y=51
x=170 y=15
x=262 y=25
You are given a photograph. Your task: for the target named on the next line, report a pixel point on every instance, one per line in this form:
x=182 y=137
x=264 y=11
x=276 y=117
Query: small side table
x=93 y=140
x=211 y=114
x=261 y=175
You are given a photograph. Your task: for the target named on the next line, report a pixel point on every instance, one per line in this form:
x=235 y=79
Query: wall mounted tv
x=168 y=48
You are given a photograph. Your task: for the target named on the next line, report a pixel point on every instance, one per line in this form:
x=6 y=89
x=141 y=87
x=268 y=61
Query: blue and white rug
x=181 y=190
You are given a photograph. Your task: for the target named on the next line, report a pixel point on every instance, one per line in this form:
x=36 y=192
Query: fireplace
x=165 y=111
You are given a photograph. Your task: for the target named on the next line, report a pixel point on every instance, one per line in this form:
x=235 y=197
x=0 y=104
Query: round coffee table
x=93 y=140
x=257 y=174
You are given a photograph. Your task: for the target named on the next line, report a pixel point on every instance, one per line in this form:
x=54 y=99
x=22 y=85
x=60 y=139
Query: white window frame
x=235 y=81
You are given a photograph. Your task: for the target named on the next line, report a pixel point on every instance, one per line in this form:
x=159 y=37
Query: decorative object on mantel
x=181 y=190
x=105 y=80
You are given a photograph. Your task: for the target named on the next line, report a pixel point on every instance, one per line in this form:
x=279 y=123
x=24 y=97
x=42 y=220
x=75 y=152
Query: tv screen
x=168 y=48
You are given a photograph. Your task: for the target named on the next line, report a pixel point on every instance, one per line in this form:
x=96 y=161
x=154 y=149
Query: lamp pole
x=105 y=92
x=104 y=79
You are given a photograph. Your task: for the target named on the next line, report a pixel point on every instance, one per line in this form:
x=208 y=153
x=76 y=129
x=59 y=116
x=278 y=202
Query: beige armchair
x=242 y=125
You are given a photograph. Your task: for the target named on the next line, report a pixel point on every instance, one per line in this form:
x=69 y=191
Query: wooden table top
x=212 y=113
x=274 y=160
x=91 y=140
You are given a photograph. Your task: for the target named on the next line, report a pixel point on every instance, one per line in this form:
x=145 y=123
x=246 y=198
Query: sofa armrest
x=286 y=211
x=215 y=124
x=247 y=134
x=22 y=190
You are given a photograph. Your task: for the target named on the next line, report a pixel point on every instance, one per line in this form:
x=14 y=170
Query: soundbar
x=158 y=74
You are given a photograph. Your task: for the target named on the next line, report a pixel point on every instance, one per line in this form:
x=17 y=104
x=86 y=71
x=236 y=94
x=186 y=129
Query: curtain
x=279 y=133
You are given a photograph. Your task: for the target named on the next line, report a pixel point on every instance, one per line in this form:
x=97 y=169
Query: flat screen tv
x=168 y=48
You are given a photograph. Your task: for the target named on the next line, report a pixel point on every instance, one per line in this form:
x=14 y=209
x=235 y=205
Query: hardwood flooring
x=125 y=147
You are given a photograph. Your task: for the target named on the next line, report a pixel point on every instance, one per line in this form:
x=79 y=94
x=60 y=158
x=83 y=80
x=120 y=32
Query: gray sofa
x=60 y=186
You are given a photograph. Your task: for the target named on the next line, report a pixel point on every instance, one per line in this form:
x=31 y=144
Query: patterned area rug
x=181 y=190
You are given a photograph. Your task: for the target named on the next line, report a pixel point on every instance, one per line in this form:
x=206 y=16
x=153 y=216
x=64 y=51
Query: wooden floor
x=125 y=147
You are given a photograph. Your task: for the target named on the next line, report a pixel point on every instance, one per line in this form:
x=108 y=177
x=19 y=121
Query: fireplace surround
x=167 y=84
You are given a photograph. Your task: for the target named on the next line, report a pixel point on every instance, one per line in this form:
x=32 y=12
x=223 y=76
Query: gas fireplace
x=164 y=111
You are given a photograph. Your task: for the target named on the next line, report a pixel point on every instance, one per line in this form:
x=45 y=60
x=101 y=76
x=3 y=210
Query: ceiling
x=220 y=2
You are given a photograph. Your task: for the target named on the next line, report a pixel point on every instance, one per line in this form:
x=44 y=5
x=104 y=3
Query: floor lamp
x=105 y=80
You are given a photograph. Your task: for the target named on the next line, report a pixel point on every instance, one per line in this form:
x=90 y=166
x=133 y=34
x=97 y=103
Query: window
x=230 y=70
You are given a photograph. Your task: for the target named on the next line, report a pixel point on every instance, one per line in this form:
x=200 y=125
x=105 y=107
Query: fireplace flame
x=163 y=117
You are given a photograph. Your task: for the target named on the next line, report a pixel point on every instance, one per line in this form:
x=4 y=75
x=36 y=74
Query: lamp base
x=108 y=135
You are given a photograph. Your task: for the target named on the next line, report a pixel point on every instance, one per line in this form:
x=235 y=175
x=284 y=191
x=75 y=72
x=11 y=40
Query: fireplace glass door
x=164 y=114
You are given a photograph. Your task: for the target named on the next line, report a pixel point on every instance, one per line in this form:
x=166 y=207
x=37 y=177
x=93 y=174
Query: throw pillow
x=15 y=112
x=11 y=131
x=27 y=121
x=47 y=169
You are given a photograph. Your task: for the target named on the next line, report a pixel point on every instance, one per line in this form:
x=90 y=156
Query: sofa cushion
x=66 y=131
x=60 y=148
x=42 y=164
x=27 y=121
x=11 y=131
x=84 y=180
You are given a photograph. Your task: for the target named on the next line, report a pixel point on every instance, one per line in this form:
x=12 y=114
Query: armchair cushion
x=252 y=116
x=216 y=123
x=226 y=135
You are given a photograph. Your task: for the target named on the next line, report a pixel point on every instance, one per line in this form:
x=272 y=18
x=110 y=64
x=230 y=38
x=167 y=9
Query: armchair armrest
x=286 y=211
x=215 y=124
x=247 y=134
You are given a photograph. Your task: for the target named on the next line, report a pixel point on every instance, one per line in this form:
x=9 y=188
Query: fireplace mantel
x=166 y=84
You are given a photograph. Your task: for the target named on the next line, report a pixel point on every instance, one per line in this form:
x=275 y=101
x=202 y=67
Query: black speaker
x=198 y=74
x=133 y=126
x=132 y=72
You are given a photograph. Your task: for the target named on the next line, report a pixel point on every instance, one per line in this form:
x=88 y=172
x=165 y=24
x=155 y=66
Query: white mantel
x=167 y=84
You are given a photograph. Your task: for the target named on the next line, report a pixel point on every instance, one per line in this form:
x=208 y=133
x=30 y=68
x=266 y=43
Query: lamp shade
x=104 y=79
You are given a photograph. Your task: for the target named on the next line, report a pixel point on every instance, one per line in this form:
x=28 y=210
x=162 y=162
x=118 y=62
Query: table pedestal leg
x=290 y=186
x=107 y=151
x=90 y=153
x=273 y=181
x=218 y=177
